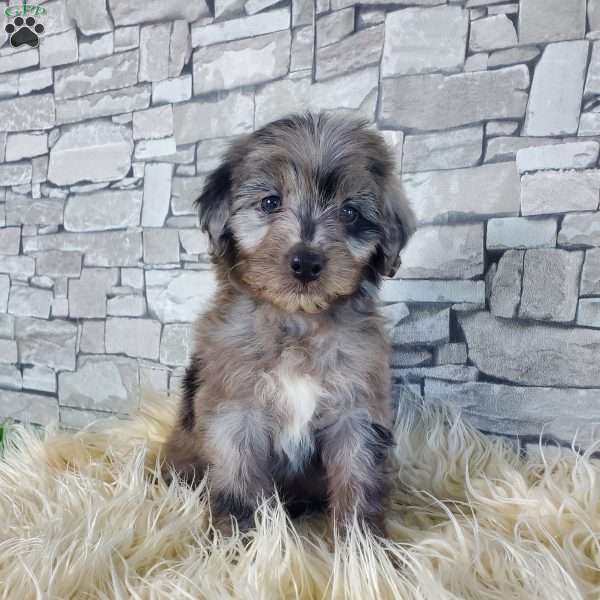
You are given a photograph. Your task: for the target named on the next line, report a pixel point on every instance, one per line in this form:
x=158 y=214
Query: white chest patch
x=295 y=400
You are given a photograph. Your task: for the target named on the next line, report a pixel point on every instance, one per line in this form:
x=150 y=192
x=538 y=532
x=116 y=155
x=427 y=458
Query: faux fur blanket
x=84 y=516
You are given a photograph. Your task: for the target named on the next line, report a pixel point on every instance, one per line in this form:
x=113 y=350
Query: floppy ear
x=398 y=226
x=214 y=206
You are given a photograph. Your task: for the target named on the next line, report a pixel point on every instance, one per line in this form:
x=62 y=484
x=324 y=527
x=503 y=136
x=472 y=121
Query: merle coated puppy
x=288 y=386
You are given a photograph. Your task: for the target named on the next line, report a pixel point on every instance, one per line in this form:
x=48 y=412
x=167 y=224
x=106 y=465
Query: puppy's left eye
x=348 y=215
x=270 y=204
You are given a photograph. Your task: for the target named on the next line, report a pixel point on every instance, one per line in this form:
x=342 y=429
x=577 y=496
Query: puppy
x=288 y=387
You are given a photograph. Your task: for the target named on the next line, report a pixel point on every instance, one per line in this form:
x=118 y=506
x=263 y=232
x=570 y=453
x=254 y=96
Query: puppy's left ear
x=398 y=225
x=214 y=206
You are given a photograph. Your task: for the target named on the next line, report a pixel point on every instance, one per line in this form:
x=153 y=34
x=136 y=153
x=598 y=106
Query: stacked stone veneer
x=492 y=108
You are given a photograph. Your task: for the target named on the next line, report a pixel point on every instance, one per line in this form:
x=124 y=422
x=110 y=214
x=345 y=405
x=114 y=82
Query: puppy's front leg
x=238 y=449
x=354 y=452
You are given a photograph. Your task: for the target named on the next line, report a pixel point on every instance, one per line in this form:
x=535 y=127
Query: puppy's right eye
x=270 y=204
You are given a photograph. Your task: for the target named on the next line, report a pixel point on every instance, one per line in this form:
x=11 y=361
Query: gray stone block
x=588 y=312
x=102 y=249
x=447 y=292
x=8 y=352
x=428 y=102
x=19 y=60
x=302 y=48
x=103 y=104
x=4 y=290
x=523 y=411
x=101 y=383
x=446 y=252
x=177 y=295
x=580 y=230
x=161 y=246
x=451 y=354
x=126 y=38
x=550 y=285
x=223 y=116
x=454 y=196
x=551 y=20
x=359 y=50
x=132 y=12
x=240 y=63
x=93 y=151
x=59 y=49
x=157 y=194
x=28 y=113
x=506 y=147
x=513 y=56
x=574 y=155
x=10 y=378
x=110 y=73
x=443 y=150
x=153 y=123
x=185 y=191
x=521 y=232
x=92 y=337
x=506 y=285
x=410 y=358
x=493 y=33
x=592 y=82
x=393 y=314
x=176 y=344
x=25 y=301
x=29 y=408
x=96 y=47
x=425 y=40
x=7 y=322
x=138 y=338
x=25 y=145
x=548 y=192
x=87 y=295
x=180 y=49
x=15 y=174
x=335 y=26
x=39 y=379
x=178 y=89
x=91 y=16
x=530 y=353
x=559 y=75
x=423 y=327
x=148 y=150
x=10 y=240
x=18 y=267
x=590 y=275
x=103 y=210
x=33 y=81
x=155 y=42
x=46 y=343
x=457 y=373
x=56 y=263
x=235 y=29
x=130 y=305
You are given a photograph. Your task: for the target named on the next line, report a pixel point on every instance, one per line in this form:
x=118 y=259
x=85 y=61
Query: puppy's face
x=304 y=210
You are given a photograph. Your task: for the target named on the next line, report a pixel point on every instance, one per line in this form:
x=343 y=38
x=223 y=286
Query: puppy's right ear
x=215 y=207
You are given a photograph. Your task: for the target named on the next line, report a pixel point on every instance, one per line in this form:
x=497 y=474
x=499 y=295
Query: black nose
x=306 y=265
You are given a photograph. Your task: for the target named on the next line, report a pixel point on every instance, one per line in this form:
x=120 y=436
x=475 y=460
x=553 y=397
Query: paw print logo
x=24 y=31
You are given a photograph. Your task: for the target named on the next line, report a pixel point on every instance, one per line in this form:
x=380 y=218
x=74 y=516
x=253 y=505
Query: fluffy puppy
x=288 y=387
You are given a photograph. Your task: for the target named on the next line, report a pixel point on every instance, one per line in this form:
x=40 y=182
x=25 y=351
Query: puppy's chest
x=295 y=395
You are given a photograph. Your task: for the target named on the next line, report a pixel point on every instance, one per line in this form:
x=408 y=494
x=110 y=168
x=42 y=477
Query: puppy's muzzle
x=306 y=264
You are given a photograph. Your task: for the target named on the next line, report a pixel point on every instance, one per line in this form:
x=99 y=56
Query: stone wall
x=110 y=126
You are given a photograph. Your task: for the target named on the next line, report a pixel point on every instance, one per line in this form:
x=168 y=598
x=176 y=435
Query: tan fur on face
x=289 y=381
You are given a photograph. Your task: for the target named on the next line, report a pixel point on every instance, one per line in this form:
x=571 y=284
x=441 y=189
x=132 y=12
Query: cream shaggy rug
x=82 y=516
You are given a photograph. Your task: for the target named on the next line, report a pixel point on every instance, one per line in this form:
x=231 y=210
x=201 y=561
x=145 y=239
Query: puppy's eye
x=348 y=215
x=270 y=204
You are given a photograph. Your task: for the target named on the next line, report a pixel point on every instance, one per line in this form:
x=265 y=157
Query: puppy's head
x=304 y=210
